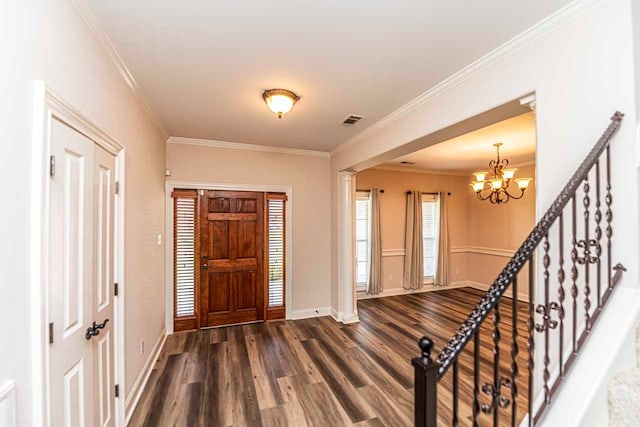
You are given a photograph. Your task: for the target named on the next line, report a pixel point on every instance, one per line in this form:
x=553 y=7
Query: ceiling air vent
x=407 y=163
x=352 y=119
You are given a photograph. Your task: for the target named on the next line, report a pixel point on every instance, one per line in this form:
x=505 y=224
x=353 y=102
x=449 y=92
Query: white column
x=347 y=302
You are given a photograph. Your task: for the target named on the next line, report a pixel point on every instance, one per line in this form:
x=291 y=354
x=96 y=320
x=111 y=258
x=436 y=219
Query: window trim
x=363 y=286
x=435 y=198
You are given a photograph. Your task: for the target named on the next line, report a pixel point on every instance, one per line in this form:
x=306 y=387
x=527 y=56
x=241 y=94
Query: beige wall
x=500 y=227
x=309 y=178
x=48 y=40
x=474 y=225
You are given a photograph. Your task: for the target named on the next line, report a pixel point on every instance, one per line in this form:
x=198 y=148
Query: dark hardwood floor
x=316 y=372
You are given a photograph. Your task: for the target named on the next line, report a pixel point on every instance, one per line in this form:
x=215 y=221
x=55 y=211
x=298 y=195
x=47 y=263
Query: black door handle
x=95 y=329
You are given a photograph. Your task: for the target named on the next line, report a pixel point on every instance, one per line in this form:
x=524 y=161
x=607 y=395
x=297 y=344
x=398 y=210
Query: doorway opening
x=419 y=223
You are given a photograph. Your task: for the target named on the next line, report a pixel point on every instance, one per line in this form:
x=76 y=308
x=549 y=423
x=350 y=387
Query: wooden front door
x=231 y=257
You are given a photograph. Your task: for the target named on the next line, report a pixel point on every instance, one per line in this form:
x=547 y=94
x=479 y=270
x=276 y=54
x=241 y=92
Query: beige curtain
x=413 y=259
x=375 y=267
x=442 y=267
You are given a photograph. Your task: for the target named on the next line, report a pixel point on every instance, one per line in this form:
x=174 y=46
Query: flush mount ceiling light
x=280 y=101
x=500 y=178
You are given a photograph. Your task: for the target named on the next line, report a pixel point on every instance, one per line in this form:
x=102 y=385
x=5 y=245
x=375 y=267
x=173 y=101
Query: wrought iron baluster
x=586 y=202
x=514 y=354
x=609 y=217
x=496 y=358
x=454 y=421
x=561 y=294
x=574 y=272
x=598 y=219
x=476 y=377
x=531 y=342
x=546 y=262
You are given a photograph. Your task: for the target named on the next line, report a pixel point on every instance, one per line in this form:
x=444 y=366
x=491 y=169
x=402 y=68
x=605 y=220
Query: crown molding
x=103 y=39
x=422 y=171
x=248 y=147
x=533 y=33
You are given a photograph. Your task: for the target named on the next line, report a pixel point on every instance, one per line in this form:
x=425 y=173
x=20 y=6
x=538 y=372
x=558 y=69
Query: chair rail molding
x=508 y=253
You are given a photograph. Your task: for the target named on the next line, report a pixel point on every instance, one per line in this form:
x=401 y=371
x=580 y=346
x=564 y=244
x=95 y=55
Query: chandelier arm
x=478 y=193
x=515 y=197
x=506 y=198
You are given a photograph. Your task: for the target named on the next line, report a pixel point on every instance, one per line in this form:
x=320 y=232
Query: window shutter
x=184 y=252
x=363 y=230
x=276 y=241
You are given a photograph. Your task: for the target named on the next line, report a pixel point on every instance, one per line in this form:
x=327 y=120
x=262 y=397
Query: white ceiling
x=474 y=150
x=203 y=64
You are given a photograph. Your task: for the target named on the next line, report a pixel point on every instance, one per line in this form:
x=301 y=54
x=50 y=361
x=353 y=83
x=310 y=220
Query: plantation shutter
x=184 y=221
x=276 y=214
x=430 y=233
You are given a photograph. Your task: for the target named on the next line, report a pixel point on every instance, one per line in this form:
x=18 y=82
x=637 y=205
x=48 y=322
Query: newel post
x=426 y=385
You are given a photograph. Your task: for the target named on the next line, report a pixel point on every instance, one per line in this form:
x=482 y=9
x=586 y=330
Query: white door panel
x=103 y=308
x=80 y=278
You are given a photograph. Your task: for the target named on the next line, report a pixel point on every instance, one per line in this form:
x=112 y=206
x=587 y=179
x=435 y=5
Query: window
x=363 y=232
x=184 y=226
x=430 y=225
x=276 y=236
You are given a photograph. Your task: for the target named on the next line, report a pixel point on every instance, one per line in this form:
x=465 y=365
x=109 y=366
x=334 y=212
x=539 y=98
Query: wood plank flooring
x=316 y=372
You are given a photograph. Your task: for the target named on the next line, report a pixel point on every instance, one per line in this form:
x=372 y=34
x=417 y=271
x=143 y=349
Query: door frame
x=172 y=185
x=48 y=106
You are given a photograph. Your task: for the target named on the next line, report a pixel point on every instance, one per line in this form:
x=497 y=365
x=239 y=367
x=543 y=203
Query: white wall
x=47 y=40
x=309 y=178
x=581 y=72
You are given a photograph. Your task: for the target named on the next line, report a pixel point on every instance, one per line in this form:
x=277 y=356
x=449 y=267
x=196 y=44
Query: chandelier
x=496 y=188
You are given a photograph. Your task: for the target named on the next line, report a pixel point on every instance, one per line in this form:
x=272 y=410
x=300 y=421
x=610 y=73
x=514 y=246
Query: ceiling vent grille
x=352 y=119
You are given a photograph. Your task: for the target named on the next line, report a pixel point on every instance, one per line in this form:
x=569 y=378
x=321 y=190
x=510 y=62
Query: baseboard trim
x=311 y=312
x=402 y=291
x=141 y=381
x=485 y=287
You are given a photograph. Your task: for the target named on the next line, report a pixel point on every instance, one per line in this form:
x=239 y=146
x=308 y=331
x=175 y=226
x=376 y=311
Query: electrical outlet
x=390 y=277
x=457 y=271
x=159 y=239
x=141 y=347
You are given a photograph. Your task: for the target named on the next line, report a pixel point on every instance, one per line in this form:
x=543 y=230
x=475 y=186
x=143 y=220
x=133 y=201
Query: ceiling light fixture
x=280 y=101
x=500 y=178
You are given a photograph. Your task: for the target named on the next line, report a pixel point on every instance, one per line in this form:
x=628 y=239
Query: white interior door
x=80 y=281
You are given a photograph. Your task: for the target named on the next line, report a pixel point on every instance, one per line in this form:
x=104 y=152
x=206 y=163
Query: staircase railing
x=563 y=322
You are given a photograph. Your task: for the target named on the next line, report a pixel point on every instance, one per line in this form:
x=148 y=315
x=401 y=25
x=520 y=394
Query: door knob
x=94 y=329
x=205 y=261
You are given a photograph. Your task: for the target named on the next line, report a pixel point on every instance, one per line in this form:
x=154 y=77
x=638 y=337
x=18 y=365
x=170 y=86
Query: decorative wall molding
x=249 y=147
x=392 y=252
x=311 y=312
x=483 y=251
x=422 y=171
x=141 y=381
x=533 y=33
x=460 y=249
x=103 y=40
